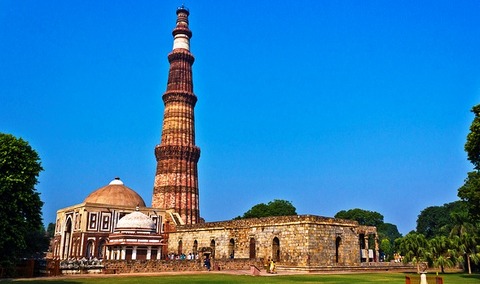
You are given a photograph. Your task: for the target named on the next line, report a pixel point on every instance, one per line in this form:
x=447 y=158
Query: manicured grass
x=361 y=278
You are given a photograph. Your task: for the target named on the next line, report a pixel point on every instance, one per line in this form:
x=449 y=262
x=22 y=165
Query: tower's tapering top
x=181 y=33
x=183 y=9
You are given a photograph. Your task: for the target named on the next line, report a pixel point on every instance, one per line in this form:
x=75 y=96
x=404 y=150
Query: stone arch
x=180 y=247
x=102 y=249
x=253 y=253
x=67 y=238
x=231 y=248
x=338 y=243
x=195 y=247
x=90 y=249
x=73 y=250
x=76 y=247
x=212 y=247
x=276 y=249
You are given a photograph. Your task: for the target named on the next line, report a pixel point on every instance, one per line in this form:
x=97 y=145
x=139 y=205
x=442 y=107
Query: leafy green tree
x=389 y=231
x=462 y=224
x=20 y=206
x=387 y=248
x=472 y=146
x=38 y=242
x=51 y=230
x=470 y=191
x=363 y=217
x=276 y=207
x=437 y=220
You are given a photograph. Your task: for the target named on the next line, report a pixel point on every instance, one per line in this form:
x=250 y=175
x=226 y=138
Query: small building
x=303 y=241
x=135 y=238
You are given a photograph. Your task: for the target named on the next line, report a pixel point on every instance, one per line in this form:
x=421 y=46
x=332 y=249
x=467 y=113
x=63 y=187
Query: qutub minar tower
x=176 y=178
x=114 y=224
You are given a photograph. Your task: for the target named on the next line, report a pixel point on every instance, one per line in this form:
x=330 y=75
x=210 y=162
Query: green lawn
x=225 y=278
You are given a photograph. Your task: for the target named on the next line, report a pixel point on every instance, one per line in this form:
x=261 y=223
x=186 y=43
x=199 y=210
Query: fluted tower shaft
x=176 y=178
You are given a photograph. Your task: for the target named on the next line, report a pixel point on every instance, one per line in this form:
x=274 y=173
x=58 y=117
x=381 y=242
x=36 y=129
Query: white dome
x=116 y=181
x=136 y=220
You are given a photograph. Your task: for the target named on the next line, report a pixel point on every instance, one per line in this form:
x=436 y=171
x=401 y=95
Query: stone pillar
x=377 y=251
x=159 y=253
x=366 y=248
x=107 y=253
x=149 y=252
x=123 y=253
x=134 y=252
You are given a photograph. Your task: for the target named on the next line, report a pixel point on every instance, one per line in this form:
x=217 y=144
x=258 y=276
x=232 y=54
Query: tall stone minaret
x=176 y=178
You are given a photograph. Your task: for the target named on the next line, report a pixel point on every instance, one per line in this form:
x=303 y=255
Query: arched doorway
x=253 y=253
x=67 y=238
x=338 y=242
x=180 y=247
x=90 y=248
x=231 y=248
x=195 y=247
x=212 y=247
x=76 y=248
x=101 y=249
x=276 y=249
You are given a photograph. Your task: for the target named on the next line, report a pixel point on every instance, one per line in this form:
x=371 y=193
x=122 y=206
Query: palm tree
x=465 y=239
x=468 y=249
x=415 y=248
x=441 y=252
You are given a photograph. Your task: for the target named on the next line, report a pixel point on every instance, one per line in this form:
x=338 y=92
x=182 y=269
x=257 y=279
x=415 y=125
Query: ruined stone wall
x=139 y=266
x=303 y=240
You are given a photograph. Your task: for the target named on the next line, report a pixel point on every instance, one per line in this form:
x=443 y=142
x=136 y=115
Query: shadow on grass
x=470 y=276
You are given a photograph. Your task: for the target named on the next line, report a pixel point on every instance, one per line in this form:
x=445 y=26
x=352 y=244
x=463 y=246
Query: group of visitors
x=190 y=256
x=270 y=266
x=207 y=263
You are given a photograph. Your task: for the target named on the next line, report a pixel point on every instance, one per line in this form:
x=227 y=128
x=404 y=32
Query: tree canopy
x=472 y=146
x=470 y=191
x=20 y=209
x=363 y=217
x=437 y=220
x=276 y=207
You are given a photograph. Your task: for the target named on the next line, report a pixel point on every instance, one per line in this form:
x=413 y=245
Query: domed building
x=135 y=237
x=84 y=230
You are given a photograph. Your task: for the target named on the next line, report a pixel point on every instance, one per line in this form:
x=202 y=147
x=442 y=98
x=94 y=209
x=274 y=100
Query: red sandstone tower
x=176 y=178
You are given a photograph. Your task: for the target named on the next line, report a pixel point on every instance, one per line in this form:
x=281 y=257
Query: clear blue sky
x=331 y=105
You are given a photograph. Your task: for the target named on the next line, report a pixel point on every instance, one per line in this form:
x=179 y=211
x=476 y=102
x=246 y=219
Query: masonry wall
x=302 y=240
x=139 y=266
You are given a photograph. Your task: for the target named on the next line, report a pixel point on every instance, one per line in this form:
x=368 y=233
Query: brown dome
x=115 y=193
